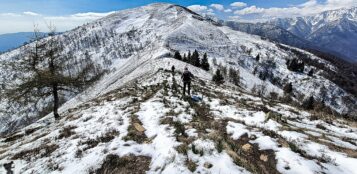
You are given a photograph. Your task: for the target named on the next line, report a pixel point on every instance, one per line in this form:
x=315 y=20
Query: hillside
x=149 y=127
x=131 y=120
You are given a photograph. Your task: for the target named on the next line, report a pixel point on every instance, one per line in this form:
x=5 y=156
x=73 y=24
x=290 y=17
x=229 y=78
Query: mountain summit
x=282 y=113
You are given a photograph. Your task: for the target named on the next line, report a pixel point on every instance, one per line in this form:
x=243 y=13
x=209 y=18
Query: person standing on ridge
x=186 y=78
x=173 y=70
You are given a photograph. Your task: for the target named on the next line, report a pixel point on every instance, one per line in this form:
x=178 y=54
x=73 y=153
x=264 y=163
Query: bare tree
x=44 y=72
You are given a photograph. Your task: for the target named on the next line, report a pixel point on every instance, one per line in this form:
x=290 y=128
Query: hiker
x=186 y=78
x=8 y=167
x=173 y=70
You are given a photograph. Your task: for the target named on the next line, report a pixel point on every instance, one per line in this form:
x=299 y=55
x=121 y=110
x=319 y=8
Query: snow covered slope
x=146 y=126
x=132 y=43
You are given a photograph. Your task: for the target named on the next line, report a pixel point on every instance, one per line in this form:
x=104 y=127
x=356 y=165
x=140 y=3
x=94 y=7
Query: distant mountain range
x=334 y=32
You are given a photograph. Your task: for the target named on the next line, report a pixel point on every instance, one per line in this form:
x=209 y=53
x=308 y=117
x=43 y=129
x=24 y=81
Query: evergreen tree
x=189 y=57
x=177 y=55
x=257 y=58
x=234 y=76
x=309 y=103
x=184 y=57
x=218 y=78
x=311 y=72
x=204 y=63
x=195 y=59
x=295 y=65
x=288 y=88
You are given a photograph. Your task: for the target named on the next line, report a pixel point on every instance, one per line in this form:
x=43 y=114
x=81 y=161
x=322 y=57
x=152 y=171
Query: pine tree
x=295 y=65
x=257 y=58
x=47 y=68
x=189 y=57
x=195 y=59
x=288 y=88
x=204 y=63
x=309 y=103
x=177 y=55
x=218 y=78
x=184 y=57
x=311 y=72
x=234 y=76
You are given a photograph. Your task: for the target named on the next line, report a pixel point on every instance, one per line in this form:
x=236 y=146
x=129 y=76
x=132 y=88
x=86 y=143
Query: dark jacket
x=187 y=76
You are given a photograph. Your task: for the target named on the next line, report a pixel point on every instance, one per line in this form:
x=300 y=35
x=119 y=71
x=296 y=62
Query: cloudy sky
x=22 y=15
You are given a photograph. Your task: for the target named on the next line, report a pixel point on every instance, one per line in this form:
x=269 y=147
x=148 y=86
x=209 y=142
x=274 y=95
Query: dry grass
x=66 y=132
x=114 y=164
x=41 y=151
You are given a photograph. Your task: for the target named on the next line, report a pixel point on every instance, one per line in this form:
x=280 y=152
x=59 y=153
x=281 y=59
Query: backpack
x=186 y=76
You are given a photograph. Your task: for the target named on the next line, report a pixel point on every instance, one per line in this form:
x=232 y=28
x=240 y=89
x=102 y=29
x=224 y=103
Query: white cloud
x=31 y=13
x=310 y=7
x=219 y=7
x=238 y=4
x=197 y=8
x=228 y=10
x=9 y=15
x=19 y=22
x=249 y=10
x=80 y=16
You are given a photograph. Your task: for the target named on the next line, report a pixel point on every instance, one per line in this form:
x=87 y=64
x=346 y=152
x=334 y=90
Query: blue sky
x=22 y=15
x=66 y=7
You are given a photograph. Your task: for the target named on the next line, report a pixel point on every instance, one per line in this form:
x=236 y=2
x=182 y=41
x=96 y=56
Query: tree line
x=194 y=59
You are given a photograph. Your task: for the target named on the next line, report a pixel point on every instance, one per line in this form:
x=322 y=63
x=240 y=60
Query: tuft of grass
x=41 y=151
x=219 y=146
x=191 y=165
x=91 y=143
x=123 y=165
x=179 y=129
x=66 y=132
x=182 y=148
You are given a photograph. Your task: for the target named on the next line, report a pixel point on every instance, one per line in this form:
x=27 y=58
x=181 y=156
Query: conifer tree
x=257 y=58
x=234 y=76
x=204 y=63
x=218 y=78
x=288 y=88
x=177 y=55
x=184 y=57
x=195 y=59
x=309 y=103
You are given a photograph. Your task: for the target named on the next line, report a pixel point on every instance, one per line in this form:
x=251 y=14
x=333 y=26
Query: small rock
x=207 y=165
x=247 y=147
x=264 y=157
x=138 y=127
x=253 y=137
